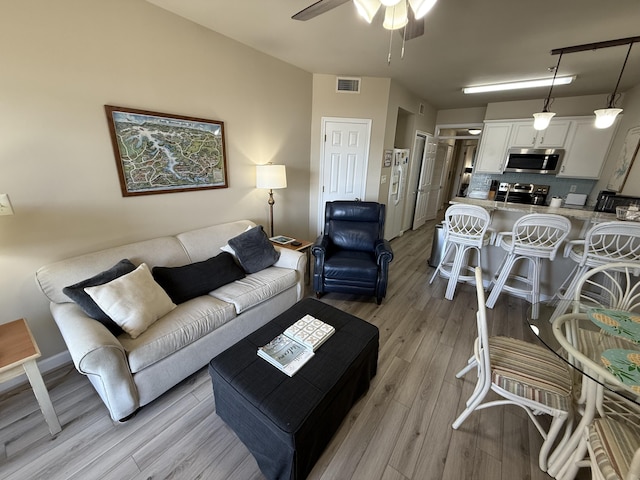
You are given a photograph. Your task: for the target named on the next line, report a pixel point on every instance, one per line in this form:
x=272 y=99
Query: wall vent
x=421 y=109
x=347 y=85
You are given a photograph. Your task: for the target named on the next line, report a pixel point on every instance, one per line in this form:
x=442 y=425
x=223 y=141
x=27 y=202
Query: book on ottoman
x=286 y=354
x=310 y=331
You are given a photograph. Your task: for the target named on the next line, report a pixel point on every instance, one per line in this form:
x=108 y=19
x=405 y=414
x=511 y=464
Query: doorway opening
x=463 y=146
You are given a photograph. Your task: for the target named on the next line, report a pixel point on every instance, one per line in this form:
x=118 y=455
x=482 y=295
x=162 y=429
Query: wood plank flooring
x=401 y=430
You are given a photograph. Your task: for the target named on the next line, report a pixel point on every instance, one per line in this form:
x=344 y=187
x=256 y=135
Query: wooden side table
x=304 y=247
x=18 y=353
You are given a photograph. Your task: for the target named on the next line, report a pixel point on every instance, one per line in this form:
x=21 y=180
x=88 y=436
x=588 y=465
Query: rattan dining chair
x=523 y=374
x=614 y=450
x=614 y=286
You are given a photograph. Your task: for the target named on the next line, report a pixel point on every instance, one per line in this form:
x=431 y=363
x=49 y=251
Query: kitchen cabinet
x=586 y=149
x=554 y=136
x=493 y=147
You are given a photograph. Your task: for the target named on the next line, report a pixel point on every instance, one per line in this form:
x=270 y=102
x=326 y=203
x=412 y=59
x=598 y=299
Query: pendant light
x=542 y=119
x=606 y=116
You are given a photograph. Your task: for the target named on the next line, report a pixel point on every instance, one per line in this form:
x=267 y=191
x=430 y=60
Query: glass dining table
x=602 y=348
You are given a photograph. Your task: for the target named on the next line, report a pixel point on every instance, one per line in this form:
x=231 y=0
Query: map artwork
x=159 y=153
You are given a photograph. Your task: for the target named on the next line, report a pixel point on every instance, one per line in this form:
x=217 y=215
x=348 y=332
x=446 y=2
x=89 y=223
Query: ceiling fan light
x=606 y=116
x=541 y=120
x=421 y=7
x=390 y=3
x=396 y=17
x=367 y=9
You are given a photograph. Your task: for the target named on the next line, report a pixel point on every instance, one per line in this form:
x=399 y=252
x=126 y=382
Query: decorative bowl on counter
x=628 y=213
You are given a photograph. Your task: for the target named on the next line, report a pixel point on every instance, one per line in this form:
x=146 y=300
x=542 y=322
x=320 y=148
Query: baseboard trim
x=45 y=366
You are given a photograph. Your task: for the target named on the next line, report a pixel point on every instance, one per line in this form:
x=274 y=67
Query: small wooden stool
x=18 y=353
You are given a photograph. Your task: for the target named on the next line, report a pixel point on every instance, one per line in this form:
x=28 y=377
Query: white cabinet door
x=493 y=147
x=587 y=148
x=554 y=136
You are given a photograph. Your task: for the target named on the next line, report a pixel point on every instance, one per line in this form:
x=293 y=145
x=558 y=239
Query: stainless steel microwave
x=545 y=161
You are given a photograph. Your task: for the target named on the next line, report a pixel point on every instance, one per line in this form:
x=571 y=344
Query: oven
x=527 y=193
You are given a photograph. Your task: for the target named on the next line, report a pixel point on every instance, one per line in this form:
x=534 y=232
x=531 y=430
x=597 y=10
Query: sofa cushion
x=199 y=278
x=134 y=301
x=179 y=328
x=253 y=250
x=77 y=294
x=256 y=288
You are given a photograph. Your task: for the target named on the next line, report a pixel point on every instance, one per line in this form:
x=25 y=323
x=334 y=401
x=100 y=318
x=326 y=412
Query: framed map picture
x=162 y=153
x=628 y=154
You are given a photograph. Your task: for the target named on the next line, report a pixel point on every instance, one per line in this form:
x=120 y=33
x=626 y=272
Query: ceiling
x=466 y=42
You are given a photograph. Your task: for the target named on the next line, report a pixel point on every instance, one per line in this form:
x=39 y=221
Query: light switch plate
x=5 y=205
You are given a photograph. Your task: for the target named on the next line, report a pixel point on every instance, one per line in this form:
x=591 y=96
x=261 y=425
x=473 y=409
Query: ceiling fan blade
x=415 y=28
x=318 y=8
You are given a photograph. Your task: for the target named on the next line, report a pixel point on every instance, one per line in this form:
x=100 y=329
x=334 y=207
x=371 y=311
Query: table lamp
x=271 y=176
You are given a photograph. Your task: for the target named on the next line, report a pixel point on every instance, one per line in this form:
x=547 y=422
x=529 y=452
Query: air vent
x=347 y=85
x=421 y=109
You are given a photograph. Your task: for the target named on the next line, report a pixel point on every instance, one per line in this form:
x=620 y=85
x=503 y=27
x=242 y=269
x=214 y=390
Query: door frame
x=367 y=122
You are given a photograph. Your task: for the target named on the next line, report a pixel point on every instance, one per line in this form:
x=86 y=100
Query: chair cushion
x=351 y=265
x=530 y=371
x=349 y=235
x=613 y=445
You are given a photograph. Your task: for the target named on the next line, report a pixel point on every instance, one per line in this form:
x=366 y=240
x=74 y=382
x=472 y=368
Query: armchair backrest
x=354 y=225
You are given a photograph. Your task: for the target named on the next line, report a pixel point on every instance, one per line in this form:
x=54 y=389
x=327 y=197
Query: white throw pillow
x=134 y=301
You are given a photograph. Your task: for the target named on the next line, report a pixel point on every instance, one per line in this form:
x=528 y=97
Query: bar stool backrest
x=466 y=224
x=539 y=233
x=611 y=242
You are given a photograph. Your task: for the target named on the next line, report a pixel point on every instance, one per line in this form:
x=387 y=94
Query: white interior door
x=425 y=209
x=345 y=155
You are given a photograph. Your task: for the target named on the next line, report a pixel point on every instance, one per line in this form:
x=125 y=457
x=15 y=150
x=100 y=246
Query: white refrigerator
x=397 y=192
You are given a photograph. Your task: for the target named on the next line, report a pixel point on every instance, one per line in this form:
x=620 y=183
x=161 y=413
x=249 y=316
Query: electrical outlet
x=5 y=205
x=572 y=189
x=383 y=179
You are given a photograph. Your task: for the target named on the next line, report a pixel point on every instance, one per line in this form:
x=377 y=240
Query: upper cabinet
x=524 y=135
x=586 y=150
x=493 y=147
x=585 y=146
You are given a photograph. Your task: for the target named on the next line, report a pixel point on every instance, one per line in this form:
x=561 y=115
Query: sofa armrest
x=294 y=260
x=99 y=355
x=384 y=253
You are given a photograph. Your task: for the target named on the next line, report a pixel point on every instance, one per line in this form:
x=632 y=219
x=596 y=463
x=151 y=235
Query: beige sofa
x=129 y=373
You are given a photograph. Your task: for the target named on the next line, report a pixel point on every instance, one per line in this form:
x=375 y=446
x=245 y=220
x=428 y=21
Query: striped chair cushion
x=530 y=371
x=613 y=445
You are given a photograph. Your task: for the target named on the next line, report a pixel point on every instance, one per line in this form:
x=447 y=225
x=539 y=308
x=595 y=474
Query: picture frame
x=628 y=154
x=164 y=153
x=282 y=239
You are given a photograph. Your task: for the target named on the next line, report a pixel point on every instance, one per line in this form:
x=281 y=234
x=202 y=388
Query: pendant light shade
x=421 y=7
x=367 y=9
x=396 y=17
x=390 y=3
x=606 y=116
x=541 y=120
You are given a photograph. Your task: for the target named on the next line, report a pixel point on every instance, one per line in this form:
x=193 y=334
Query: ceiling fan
x=411 y=25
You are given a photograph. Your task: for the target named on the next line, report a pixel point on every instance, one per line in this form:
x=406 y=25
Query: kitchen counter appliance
x=527 y=193
x=608 y=201
x=545 y=161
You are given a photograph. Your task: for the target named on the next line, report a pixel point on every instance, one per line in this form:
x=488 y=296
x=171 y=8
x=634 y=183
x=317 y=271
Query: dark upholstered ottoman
x=286 y=422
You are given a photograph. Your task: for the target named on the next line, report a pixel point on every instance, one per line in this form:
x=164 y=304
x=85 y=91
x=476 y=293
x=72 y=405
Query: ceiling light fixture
x=606 y=116
x=497 y=87
x=542 y=119
x=474 y=131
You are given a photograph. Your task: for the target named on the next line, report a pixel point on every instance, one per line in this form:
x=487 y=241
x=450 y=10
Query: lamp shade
x=542 y=120
x=396 y=17
x=606 y=116
x=421 y=7
x=367 y=9
x=271 y=176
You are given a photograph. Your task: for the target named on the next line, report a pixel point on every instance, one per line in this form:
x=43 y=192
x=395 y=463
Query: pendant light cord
x=612 y=98
x=545 y=107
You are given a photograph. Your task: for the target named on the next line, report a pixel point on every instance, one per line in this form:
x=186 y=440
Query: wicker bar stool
x=534 y=237
x=465 y=229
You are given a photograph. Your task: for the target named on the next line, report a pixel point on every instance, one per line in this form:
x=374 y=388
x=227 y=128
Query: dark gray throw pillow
x=199 y=278
x=85 y=302
x=253 y=250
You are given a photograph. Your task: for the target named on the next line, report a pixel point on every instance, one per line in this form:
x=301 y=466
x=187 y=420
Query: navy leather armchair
x=352 y=255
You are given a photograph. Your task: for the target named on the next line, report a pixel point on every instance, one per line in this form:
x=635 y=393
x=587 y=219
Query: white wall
x=61 y=63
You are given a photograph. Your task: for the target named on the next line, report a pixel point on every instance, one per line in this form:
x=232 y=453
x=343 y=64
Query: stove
x=527 y=193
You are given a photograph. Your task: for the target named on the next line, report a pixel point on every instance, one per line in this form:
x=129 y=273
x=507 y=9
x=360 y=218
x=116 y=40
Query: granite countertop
x=585 y=213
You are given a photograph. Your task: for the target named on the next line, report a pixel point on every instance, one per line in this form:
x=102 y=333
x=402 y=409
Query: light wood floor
x=400 y=430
